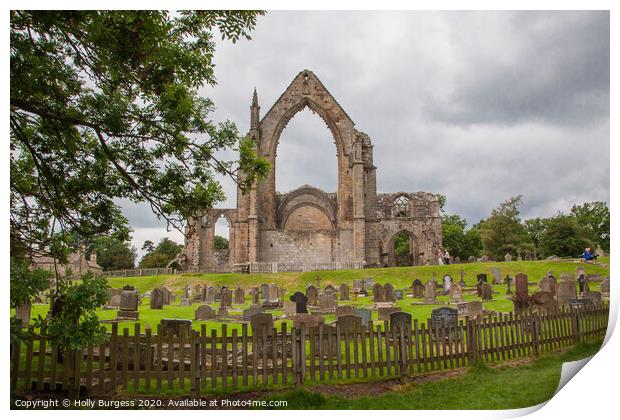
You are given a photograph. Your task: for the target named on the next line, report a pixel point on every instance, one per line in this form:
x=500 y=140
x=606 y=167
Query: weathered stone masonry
x=308 y=225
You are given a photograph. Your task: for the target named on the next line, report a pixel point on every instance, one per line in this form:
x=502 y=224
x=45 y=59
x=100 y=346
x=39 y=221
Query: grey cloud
x=479 y=106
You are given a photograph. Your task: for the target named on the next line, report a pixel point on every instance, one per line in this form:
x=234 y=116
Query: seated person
x=587 y=255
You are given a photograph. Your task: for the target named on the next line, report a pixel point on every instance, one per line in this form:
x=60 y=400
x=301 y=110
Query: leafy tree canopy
x=104 y=105
x=161 y=255
x=112 y=253
x=220 y=242
x=503 y=232
x=563 y=236
x=595 y=218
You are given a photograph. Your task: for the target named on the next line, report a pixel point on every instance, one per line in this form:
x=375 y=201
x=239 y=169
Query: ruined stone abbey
x=307 y=225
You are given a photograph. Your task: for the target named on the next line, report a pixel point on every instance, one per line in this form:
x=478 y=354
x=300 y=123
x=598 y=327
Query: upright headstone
x=226 y=297
x=444 y=316
x=548 y=284
x=471 y=309
x=482 y=277
x=365 y=314
x=497 y=275
x=157 y=299
x=289 y=308
x=301 y=301
x=521 y=290
x=357 y=286
x=210 y=295
x=508 y=257
x=447 y=283
x=250 y=312
x=345 y=310
x=566 y=276
x=389 y=292
x=329 y=289
x=462 y=281
x=456 y=294
x=204 y=313
x=595 y=297
x=313 y=295
x=417 y=289
x=400 y=321
x=273 y=294
x=128 y=307
x=264 y=291
x=398 y=294
x=582 y=281
x=566 y=291
x=114 y=297
x=349 y=323
x=378 y=293
x=262 y=322
x=23 y=312
x=384 y=312
x=255 y=295
x=544 y=300
x=344 y=292
x=174 y=327
x=580 y=271
x=239 y=296
x=429 y=291
x=486 y=293
x=327 y=302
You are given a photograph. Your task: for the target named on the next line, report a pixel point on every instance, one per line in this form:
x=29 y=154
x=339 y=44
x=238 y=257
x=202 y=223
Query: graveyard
x=286 y=330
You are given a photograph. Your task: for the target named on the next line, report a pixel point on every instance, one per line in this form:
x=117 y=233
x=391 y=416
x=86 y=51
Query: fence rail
x=199 y=361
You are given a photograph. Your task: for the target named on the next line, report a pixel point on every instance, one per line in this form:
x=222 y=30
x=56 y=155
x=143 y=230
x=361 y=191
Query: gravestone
x=226 y=298
x=185 y=302
x=168 y=295
x=544 y=300
x=23 y=312
x=447 y=283
x=429 y=291
x=368 y=282
x=239 y=296
x=301 y=302
x=456 y=294
x=521 y=290
x=444 y=316
x=114 y=297
x=187 y=291
x=582 y=281
x=210 y=295
x=471 y=259
x=486 y=293
x=566 y=276
x=313 y=295
x=349 y=323
x=344 y=292
x=307 y=320
x=417 y=288
x=327 y=302
x=260 y=323
x=398 y=294
x=365 y=314
x=250 y=312
x=471 y=309
x=204 y=313
x=595 y=297
x=264 y=291
x=329 y=289
x=400 y=321
x=157 y=299
x=462 y=281
x=484 y=259
x=497 y=275
x=579 y=304
x=345 y=310
x=565 y=292
x=548 y=284
x=389 y=292
x=508 y=282
x=479 y=288
x=128 y=306
x=482 y=277
x=273 y=294
x=378 y=293
x=174 y=327
x=385 y=312
x=508 y=257
x=289 y=308
x=605 y=287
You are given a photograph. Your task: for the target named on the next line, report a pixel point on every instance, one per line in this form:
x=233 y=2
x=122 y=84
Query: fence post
x=472 y=347
x=574 y=315
x=535 y=321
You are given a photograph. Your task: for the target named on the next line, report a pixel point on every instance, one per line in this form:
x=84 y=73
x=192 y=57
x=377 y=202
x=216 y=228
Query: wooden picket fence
x=194 y=363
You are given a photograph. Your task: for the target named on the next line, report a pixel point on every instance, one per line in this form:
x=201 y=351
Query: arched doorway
x=402 y=249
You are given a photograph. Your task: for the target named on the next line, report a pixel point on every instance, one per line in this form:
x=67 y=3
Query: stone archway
x=391 y=256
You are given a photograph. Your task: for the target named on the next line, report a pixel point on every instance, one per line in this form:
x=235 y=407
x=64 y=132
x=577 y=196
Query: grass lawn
x=400 y=277
x=480 y=388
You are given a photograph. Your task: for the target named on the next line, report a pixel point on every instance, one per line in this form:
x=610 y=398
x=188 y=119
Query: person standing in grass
x=440 y=256
x=446 y=257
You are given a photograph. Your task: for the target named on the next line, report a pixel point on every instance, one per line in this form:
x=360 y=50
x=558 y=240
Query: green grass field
x=400 y=277
x=480 y=388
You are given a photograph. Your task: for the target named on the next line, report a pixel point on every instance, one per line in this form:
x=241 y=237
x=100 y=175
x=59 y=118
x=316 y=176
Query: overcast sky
x=478 y=106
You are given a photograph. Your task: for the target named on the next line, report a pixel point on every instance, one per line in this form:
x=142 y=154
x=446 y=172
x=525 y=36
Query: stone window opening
x=402 y=206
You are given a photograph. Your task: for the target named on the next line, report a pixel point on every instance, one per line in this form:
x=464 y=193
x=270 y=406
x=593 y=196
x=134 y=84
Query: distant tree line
x=503 y=232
